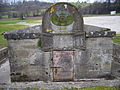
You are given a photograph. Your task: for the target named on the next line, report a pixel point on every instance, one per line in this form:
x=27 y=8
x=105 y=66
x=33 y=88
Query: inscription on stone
x=62 y=65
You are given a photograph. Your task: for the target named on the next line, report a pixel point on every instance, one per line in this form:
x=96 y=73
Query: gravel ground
x=112 y=22
x=61 y=85
x=31 y=24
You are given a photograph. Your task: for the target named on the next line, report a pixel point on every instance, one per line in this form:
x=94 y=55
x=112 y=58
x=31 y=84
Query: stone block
x=62 y=41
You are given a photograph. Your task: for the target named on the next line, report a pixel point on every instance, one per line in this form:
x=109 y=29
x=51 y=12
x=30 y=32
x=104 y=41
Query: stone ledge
x=18 y=36
x=63 y=49
x=61 y=85
x=101 y=34
x=26 y=33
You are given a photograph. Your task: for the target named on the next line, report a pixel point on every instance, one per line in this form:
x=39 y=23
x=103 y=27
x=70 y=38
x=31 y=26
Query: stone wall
x=96 y=59
x=25 y=55
x=99 y=52
x=89 y=49
x=3 y=54
x=26 y=60
x=116 y=60
x=29 y=61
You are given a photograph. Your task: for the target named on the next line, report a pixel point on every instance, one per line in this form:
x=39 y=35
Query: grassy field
x=4 y=28
x=94 y=88
x=116 y=39
x=14 y=21
x=81 y=4
x=11 y=24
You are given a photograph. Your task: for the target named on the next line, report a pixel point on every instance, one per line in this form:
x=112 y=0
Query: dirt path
x=112 y=22
x=38 y=22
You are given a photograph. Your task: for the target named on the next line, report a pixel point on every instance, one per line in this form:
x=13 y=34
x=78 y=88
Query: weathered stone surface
x=62 y=41
x=116 y=60
x=101 y=34
x=27 y=61
x=80 y=64
x=3 y=54
x=27 y=33
x=100 y=55
x=32 y=49
x=90 y=28
x=60 y=8
x=47 y=57
x=5 y=72
x=47 y=42
x=79 y=42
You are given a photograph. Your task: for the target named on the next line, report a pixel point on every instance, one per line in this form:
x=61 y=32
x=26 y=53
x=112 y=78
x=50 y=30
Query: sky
x=67 y=0
x=91 y=1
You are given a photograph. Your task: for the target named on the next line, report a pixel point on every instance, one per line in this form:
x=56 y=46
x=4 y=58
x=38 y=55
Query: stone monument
x=62 y=49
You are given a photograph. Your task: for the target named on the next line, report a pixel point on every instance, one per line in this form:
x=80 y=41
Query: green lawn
x=14 y=21
x=92 y=88
x=11 y=24
x=116 y=39
x=81 y=4
x=5 y=28
x=100 y=88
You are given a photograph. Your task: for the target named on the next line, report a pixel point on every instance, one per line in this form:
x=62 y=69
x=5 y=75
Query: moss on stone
x=62 y=20
x=40 y=43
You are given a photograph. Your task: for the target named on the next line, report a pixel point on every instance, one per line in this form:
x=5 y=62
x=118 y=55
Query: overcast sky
x=67 y=0
x=58 y=0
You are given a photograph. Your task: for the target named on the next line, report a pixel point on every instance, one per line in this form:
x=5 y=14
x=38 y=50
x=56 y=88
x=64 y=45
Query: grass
x=118 y=14
x=81 y=4
x=14 y=21
x=116 y=39
x=92 y=88
x=11 y=24
x=5 y=28
x=100 y=88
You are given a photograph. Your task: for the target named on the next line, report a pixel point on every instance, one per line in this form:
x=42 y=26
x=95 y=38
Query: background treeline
x=102 y=7
x=22 y=9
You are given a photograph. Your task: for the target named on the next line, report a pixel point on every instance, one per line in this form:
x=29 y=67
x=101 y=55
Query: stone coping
x=101 y=34
x=61 y=85
x=36 y=32
x=30 y=35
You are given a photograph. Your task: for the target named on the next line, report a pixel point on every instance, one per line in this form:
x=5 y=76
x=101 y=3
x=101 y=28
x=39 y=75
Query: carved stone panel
x=62 y=18
x=62 y=65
